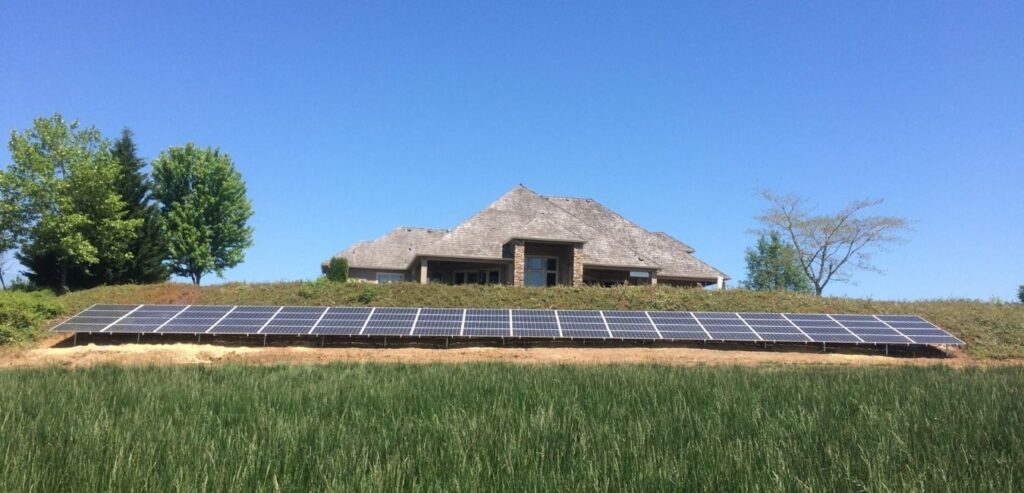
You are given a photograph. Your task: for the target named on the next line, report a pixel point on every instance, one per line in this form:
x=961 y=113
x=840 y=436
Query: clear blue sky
x=347 y=119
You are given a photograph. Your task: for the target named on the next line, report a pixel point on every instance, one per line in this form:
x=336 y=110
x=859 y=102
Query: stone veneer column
x=577 y=265
x=518 y=262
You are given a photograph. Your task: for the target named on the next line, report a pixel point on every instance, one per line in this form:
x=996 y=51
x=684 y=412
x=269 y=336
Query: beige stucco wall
x=370 y=275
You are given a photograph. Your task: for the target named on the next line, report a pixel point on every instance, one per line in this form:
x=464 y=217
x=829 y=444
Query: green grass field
x=508 y=427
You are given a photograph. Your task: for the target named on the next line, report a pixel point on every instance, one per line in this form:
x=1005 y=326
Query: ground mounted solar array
x=492 y=323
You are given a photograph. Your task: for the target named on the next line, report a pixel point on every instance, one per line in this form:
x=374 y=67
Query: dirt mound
x=59 y=351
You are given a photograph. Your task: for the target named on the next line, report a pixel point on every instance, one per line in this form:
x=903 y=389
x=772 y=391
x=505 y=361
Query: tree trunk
x=818 y=290
x=64 y=279
x=196 y=277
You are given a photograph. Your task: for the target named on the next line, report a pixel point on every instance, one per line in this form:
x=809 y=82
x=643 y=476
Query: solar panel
x=516 y=323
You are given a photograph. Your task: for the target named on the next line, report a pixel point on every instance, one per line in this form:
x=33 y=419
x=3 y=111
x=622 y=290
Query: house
x=526 y=239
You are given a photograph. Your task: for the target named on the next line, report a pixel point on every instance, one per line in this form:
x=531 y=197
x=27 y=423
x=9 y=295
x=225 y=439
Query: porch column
x=577 y=265
x=423 y=271
x=654 y=278
x=518 y=262
x=721 y=283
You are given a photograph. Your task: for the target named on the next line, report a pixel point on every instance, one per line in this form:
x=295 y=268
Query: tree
x=204 y=210
x=830 y=247
x=337 y=269
x=1020 y=293
x=61 y=191
x=772 y=266
x=148 y=247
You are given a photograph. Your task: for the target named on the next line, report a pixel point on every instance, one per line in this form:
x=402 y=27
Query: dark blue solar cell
x=777 y=330
x=900 y=318
x=390 y=322
x=922 y=332
x=884 y=339
x=684 y=335
x=342 y=321
x=733 y=336
x=847 y=338
x=584 y=330
x=784 y=337
x=546 y=332
x=944 y=339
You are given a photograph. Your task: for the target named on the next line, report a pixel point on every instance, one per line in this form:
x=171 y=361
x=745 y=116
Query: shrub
x=1020 y=293
x=368 y=295
x=337 y=271
x=22 y=315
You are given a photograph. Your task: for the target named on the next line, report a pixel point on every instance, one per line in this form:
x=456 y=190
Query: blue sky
x=347 y=119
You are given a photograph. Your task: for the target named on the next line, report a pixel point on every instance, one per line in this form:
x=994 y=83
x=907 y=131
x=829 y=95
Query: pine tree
x=148 y=248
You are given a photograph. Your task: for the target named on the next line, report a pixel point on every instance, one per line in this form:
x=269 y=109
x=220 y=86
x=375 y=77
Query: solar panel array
x=473 y=322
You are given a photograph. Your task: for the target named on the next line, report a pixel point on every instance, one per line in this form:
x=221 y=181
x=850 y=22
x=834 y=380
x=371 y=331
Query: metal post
x=75 y=342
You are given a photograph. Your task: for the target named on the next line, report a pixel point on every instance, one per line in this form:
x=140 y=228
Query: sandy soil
x=59 y=351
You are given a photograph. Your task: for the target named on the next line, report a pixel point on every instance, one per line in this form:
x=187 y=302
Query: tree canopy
x=831 y=247
x=205 y=211
x=60 y=192
x=772 y=266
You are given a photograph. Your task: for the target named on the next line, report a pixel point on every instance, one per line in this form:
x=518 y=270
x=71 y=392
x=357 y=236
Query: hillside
x=992 y=330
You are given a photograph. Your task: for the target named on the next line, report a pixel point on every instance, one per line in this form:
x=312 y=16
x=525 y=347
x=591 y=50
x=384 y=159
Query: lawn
x=493 y=427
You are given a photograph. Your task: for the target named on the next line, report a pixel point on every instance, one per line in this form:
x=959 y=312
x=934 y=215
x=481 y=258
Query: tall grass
x=992 y=330
x=500 y=428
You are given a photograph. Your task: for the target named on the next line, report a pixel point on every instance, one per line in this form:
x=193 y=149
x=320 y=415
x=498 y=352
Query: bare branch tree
x=830 y=247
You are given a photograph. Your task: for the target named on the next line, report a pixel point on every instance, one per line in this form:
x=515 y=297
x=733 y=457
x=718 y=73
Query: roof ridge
x=421 y=228
x=611 y=238
x=566 y=197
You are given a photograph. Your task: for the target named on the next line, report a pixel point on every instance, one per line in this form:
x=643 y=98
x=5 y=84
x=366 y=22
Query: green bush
x=337 y=271
x=22 y=314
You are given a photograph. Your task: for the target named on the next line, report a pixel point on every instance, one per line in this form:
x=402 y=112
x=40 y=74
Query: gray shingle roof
x=395 y=250
x=608 y=238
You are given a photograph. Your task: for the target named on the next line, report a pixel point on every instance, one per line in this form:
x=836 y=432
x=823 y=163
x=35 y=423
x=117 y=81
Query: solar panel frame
x=515 y=323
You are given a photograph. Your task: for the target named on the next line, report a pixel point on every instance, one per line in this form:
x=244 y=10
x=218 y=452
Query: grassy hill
x=992 y=330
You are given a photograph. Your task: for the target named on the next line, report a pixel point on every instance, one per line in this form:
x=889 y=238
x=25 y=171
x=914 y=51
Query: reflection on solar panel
x=475 y=322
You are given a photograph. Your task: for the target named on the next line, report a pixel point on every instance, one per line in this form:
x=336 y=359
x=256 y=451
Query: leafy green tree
x=61 y=190
x=204 y=209
x=773 y=266
x=337 y=270
x=147 y=248
x=1020 y=293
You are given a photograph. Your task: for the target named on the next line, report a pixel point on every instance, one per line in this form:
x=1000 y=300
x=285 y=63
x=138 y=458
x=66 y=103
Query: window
x=541 y=271
x=477 y=277
x=390 y=277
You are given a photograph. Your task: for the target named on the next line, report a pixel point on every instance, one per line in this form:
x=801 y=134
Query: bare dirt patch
x=59 y=351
